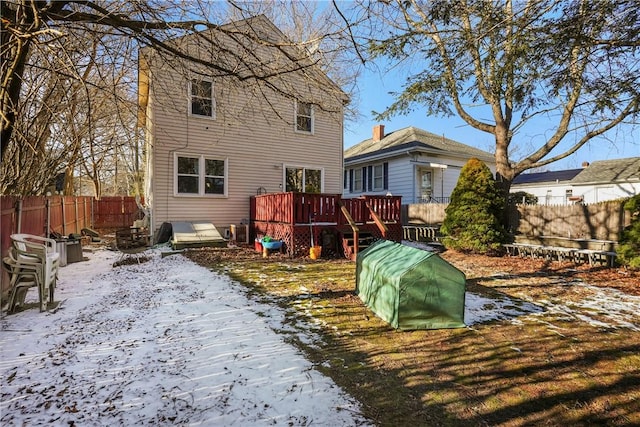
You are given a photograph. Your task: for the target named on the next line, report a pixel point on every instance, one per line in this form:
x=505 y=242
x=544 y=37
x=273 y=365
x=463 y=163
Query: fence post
x=47 y=207
x=19 y=209
x=75 y=202
x=64 y=217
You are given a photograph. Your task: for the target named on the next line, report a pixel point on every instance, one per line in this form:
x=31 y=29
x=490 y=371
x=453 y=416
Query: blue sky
x=374 y=88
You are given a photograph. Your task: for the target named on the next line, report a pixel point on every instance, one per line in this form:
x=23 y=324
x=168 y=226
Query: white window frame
x=212 y=98
x=201 y=175
x=304 y=176
x=311 y=118
x=378 y=177
x=357 y=178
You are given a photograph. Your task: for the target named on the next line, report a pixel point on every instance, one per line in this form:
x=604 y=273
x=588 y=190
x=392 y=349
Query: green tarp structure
x=410 y=288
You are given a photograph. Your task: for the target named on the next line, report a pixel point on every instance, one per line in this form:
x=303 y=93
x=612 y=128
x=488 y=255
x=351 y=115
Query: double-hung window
x=201 y=100
x=378 y=178
x=367 y=178
x=357 y=181
x=304 y=117
x=200 y=176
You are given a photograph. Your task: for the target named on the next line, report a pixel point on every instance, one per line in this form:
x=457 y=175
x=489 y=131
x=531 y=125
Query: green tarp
x=410 y=288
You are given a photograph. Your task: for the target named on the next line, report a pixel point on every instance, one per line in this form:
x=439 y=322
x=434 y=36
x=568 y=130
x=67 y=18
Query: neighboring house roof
x=412 y=138
x=546 y=177
x=619 y=170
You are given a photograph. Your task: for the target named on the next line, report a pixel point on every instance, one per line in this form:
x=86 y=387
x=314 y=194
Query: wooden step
x=365 y=239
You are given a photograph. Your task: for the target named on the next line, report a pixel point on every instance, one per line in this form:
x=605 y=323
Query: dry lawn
x=571 y=363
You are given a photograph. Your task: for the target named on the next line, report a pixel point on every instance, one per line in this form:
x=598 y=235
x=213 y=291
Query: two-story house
x=215 y=139
x=418 y=165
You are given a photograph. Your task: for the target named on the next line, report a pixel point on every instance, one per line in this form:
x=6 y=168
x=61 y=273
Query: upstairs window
x=202 y=103
x=304 y=117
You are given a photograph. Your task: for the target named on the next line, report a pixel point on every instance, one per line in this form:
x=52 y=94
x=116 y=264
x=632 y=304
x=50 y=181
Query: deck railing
x=303 y=208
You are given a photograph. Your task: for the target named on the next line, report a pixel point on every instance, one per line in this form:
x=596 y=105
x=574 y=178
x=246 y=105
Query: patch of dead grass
x=543 y=369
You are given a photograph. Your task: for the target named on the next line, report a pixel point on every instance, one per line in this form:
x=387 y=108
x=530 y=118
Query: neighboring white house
x=213 y=140
x=419 y=166
x=551 y=187
x=596 y=182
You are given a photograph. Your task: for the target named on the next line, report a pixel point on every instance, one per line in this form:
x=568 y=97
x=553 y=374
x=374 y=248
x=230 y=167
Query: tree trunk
x=18 y=25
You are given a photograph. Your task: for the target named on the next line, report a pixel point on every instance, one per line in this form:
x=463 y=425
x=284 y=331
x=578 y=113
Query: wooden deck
x=341 y=226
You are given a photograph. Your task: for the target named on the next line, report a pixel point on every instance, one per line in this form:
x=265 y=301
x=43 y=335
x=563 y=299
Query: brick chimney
x=378 y=132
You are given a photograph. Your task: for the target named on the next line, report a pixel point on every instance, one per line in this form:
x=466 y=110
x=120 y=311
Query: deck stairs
x=365 y=239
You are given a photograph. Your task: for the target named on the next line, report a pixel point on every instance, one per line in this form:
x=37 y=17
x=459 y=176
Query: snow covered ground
x=168 y=342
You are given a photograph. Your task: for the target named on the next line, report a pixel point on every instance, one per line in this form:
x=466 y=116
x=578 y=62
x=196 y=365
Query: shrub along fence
x=602 y=221
x=60 y=214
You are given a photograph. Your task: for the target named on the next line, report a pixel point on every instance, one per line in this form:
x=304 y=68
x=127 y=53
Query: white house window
x=378 y=177
x=214 y=176
x=357 y=180
x=201 y=103
x=304 y=117
x=367 y=178
x=188 y=175
x=300 y=179
x=199 y=176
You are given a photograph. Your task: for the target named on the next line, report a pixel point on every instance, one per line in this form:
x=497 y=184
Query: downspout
x=413 y=177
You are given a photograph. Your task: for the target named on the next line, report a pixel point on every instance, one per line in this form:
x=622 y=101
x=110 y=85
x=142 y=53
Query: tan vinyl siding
x=256 y=141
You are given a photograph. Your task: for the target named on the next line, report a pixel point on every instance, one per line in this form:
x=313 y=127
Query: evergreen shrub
x=629 y=245
x=473 y=217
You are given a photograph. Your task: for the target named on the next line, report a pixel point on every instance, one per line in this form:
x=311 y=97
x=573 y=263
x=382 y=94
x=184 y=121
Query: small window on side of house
x=304 y=117
x=201 y=100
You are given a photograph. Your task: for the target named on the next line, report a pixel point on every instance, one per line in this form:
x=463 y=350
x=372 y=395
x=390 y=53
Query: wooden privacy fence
x=604 y=221
x=61 y=214
x=423 y=213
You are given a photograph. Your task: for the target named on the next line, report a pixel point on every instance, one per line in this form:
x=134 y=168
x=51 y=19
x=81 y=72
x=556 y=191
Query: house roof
x=252 y=51
x=412 y=138
x=619 y=170
x=550 y=176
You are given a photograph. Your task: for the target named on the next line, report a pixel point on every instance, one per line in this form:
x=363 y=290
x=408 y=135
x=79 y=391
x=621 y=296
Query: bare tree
x=571 y=67
x=74 y=35
x=75 y=91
